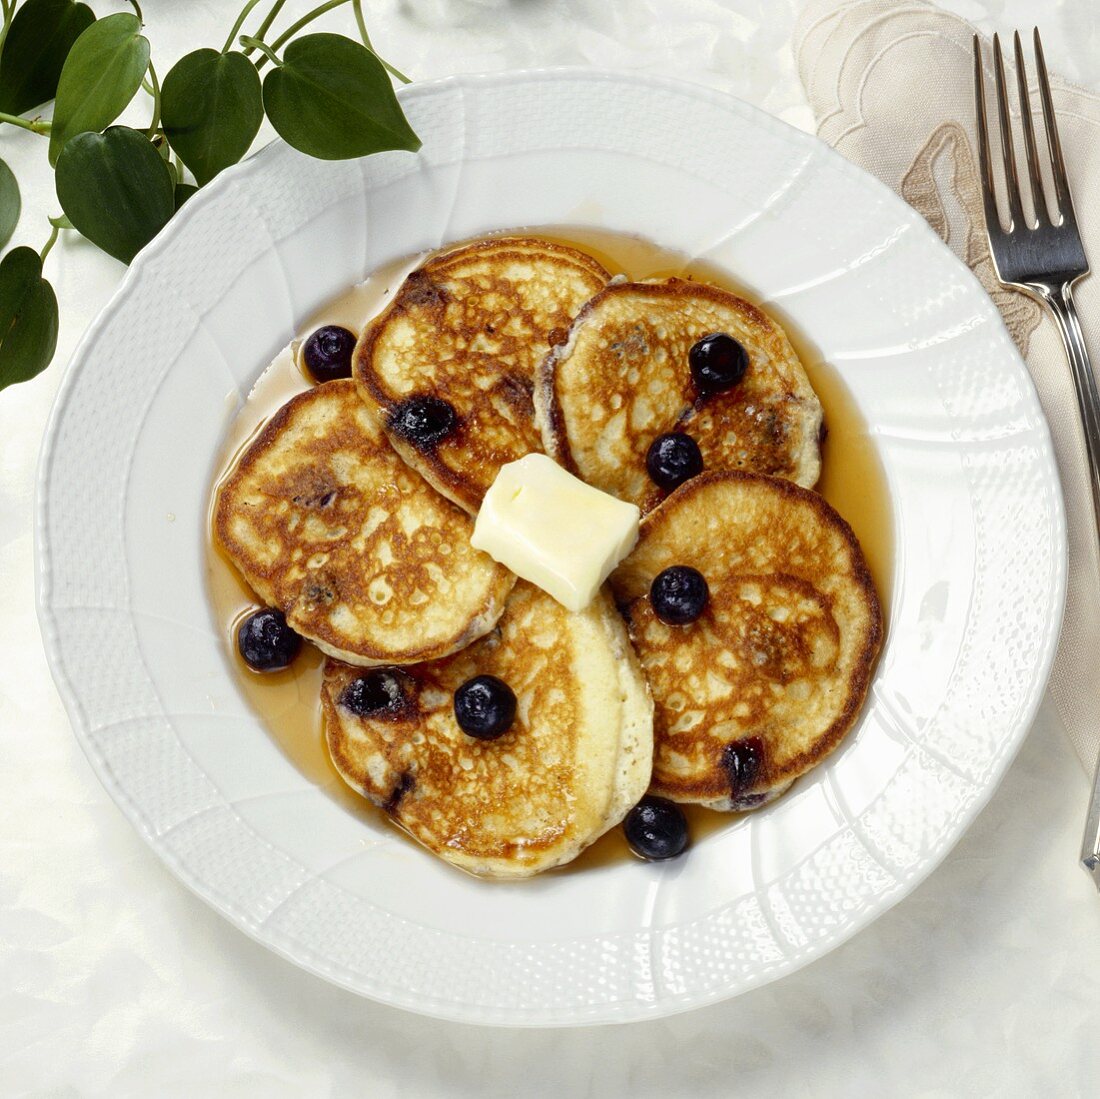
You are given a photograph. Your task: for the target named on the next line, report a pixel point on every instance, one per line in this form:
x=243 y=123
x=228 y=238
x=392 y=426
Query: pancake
x=363 y=557
x=768 y=680
x=575 y=760
x=467 y=329
x=622 y=378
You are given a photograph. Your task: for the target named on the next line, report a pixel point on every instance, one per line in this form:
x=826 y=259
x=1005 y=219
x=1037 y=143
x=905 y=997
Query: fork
x=1044 y=259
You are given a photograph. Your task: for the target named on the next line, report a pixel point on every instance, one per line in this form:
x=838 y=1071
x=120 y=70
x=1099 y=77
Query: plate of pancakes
x=582 y=265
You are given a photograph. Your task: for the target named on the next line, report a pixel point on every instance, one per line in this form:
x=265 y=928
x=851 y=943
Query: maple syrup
x=852 y=481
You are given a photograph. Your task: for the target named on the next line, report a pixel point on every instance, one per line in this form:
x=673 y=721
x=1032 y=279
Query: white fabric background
x=115 y=981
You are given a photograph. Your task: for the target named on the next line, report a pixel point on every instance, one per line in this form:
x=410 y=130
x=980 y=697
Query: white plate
x=975 y=605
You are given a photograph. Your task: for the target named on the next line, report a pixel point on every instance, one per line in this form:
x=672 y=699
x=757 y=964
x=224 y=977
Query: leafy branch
x=327 y=95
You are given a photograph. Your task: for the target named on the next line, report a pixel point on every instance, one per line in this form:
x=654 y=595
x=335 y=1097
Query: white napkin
x=890 y=83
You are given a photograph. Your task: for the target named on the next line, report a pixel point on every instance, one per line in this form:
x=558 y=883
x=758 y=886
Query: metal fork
x=1044 y=260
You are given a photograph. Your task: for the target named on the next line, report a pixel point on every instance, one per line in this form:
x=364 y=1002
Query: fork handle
x=1060 y=300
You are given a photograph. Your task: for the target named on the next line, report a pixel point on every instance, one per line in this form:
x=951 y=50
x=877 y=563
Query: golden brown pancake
x=365 y=558
x=773 y=674
x=622 y=378
x=574 y=761
x=468 y=328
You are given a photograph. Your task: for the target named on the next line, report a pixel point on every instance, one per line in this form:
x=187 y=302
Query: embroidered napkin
x=890 y=83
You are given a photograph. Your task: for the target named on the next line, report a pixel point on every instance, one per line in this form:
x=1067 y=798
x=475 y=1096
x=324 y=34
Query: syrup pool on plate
x=288 y=702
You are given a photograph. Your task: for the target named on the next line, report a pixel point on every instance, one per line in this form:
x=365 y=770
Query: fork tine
x=989 y=195
x=1058 y=165
x=1012 y=181
x=1038 y=194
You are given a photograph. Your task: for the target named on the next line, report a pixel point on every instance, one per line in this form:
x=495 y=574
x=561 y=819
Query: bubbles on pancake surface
x=656 y=829
x=265 y=641
x=377 y=693
x=672 y=459
x=485 y=707
x=742 y=760
x=327 y=353
x=423 y=421
x=678 y=595
x=718 y=362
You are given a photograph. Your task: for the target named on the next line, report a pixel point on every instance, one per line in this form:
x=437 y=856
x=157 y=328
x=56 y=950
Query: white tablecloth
x=114 y=980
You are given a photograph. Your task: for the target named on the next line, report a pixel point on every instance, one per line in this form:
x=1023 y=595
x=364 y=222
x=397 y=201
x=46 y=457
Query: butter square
x=554 y=530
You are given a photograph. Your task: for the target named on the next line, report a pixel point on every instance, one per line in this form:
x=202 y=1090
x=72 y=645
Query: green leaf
x=331 y=98
x=183 y=191
x=9 y=203
x=28 y=317
x=115 y=189
x=61 y=222
x=211 y=107
x=39 y=40
x=101 y=75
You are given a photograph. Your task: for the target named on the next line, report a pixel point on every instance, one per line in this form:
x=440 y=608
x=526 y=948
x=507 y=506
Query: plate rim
x=462 y=1011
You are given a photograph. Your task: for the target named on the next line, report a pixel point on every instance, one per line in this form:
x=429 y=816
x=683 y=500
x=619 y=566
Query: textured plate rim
x=621 y=1012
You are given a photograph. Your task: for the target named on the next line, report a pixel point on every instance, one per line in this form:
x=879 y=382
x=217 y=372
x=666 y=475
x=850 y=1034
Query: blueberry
x=327 y=353
x=742 y=760
x=656 y=829
x=679 y=595
x=377 y=693
x=266 y=643
x=485 y=707
x=718 y=362
x=673 y=459
x=423 y=421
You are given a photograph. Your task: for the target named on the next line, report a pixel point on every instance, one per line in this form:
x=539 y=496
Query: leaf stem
x=155 y=121
x=357 y=7
x=268 y=20
x=137 y=8
x=263 y=47
x=35 y=125
x=240 y=23
x=49 y=244
x=9 y=13
x=294 y=28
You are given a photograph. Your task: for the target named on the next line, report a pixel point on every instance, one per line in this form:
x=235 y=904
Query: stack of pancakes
x=358 y=529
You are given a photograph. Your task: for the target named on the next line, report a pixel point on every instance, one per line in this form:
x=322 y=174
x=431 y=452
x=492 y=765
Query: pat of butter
x=552 y=529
